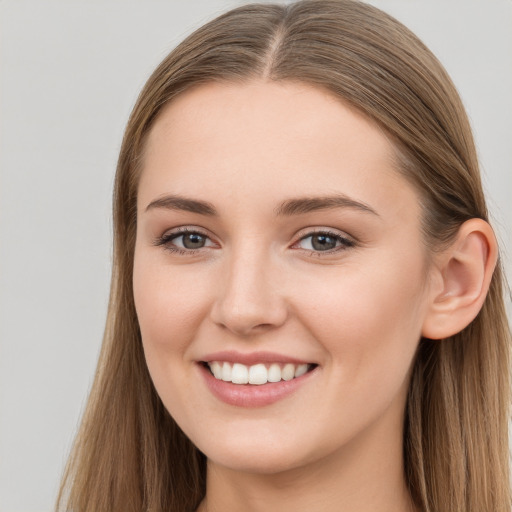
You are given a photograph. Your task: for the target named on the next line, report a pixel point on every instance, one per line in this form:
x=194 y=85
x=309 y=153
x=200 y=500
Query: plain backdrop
x=70 y=73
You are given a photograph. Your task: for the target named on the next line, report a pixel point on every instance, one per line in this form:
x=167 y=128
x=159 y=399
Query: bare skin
x=261 y=281
x=354 y=483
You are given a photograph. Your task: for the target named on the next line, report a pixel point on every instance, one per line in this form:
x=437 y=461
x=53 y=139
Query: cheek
x=370 y=321
x=170 y=305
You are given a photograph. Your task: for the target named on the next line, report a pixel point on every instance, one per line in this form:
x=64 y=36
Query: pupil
x=323 y=242
x=193 y=241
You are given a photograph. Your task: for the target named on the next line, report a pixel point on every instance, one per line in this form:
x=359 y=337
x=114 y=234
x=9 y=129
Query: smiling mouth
x=257 y=374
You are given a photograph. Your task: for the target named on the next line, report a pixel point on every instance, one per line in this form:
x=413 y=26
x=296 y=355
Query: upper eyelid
x=324 y=230
x=170 y=234
x=300 y=235
x=183 y=230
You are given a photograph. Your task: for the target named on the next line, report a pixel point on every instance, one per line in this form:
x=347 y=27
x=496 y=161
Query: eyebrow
x=289 y=207
x=176 y=202
x=311 y=204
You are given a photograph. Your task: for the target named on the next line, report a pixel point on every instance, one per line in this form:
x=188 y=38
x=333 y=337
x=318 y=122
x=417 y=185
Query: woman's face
x=275 y=237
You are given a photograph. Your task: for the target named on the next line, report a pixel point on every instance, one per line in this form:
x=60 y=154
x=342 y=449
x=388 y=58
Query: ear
x=460 y=280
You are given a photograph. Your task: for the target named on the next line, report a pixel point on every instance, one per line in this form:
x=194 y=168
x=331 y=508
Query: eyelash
x=165 y=241
x=344 y=243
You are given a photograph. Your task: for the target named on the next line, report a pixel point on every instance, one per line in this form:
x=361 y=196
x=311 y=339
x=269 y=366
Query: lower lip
x=252 y=395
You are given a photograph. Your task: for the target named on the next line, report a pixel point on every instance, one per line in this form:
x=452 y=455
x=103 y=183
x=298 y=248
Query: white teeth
x=301 y=370
x=288 y=372
x=216 y=369
x=239 y=374
x=274 y=373
x=257 y=373
x=226 y=372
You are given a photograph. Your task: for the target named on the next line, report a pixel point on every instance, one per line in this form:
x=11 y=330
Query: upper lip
x=251 y=358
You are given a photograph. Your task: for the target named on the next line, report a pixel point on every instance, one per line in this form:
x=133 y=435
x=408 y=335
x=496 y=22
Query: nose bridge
x=249 y=297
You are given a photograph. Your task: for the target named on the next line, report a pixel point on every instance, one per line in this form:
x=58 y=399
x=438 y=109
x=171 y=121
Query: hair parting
x=129 y=454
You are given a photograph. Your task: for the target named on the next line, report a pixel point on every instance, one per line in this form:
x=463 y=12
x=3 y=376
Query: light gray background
x=70 y=73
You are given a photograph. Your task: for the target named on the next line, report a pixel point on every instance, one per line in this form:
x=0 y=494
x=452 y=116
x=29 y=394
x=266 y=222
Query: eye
x=324 y=241
x=184 y=240
x=190 y=241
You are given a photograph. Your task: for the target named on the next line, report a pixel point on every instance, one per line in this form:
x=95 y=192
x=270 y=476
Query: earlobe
x=463 y=274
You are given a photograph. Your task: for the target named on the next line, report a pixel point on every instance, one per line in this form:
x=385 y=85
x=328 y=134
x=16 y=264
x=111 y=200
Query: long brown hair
x=129 y=454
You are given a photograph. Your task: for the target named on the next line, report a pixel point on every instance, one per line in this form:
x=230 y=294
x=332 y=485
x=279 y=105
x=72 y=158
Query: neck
x=365 y=475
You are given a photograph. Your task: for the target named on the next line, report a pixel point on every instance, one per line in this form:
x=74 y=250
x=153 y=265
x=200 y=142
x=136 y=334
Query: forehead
x=266 y=141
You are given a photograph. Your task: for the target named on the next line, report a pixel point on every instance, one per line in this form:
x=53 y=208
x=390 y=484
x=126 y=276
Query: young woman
x=306 y=308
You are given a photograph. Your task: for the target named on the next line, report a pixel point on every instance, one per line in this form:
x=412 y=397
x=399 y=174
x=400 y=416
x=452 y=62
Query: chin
x=258 y=454
x=254 y=461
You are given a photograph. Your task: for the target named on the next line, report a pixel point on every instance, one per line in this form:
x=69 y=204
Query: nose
x=250 y=299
